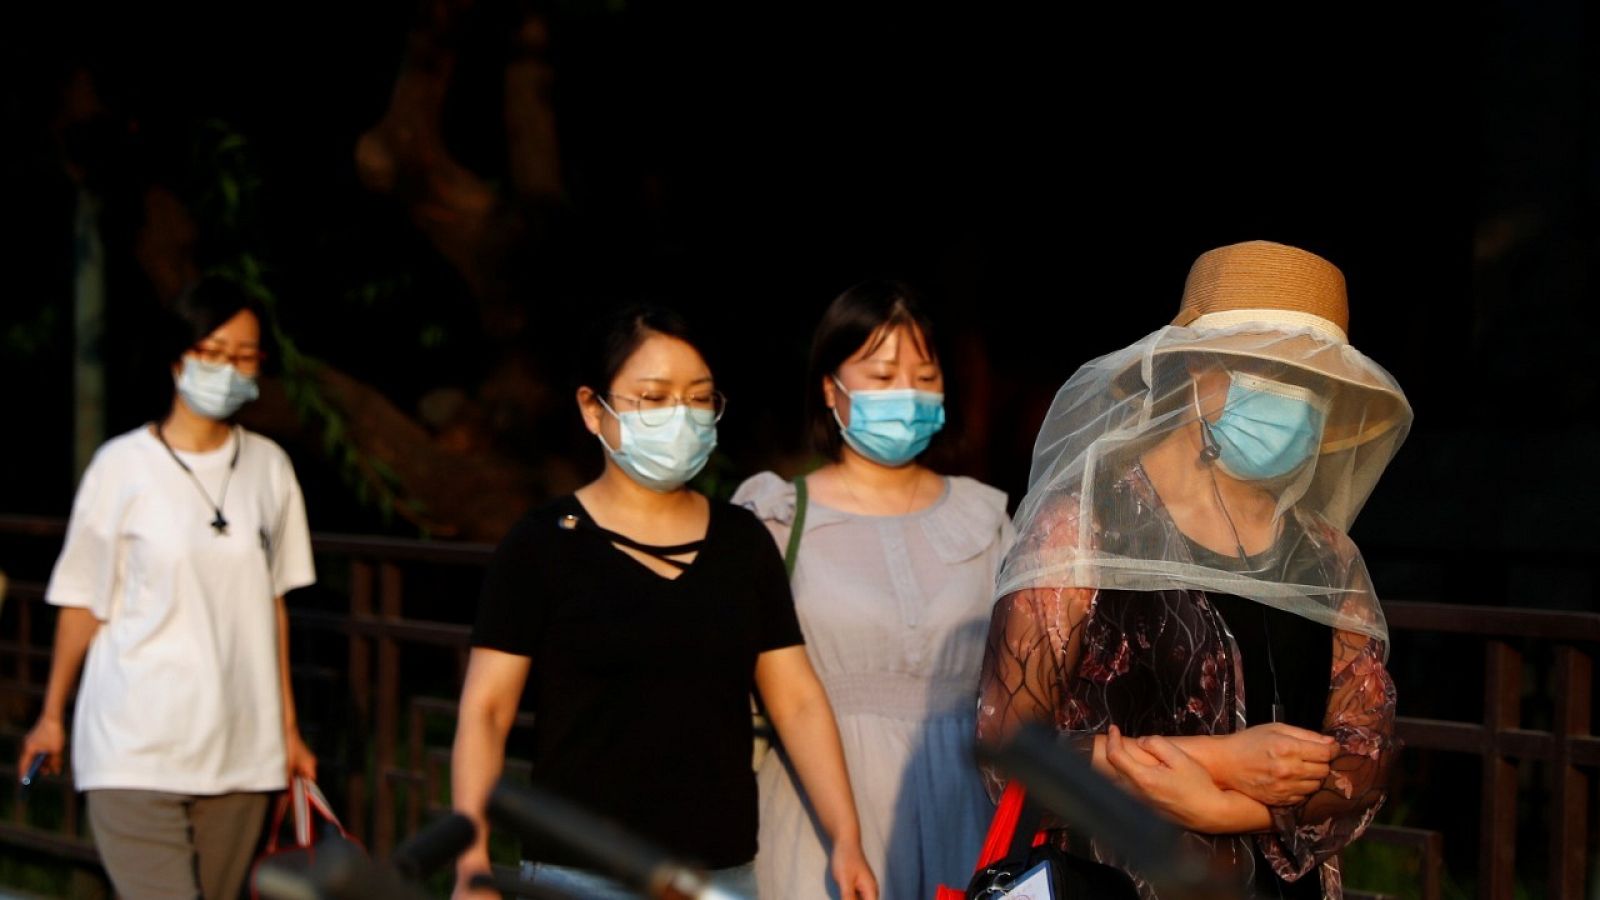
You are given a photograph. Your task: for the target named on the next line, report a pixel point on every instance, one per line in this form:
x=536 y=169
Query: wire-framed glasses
x=657 y=408
x=246 y=359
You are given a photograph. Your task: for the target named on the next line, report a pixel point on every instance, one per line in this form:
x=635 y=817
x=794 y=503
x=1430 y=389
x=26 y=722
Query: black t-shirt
x=640 y=685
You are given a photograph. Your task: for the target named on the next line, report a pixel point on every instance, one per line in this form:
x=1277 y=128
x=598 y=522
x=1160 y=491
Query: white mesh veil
x=1122 y=458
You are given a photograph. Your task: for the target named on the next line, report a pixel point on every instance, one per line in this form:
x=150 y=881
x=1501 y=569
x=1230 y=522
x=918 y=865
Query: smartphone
x=33 y=770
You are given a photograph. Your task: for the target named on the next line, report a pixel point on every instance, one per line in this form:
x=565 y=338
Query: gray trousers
x=160 y=845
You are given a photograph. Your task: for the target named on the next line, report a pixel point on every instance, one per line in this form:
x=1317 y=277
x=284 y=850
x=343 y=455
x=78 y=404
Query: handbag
x=1015 y=846
x=305 y=801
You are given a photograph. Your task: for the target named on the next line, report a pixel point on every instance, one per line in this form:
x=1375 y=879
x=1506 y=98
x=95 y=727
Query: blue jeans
x=739 y=882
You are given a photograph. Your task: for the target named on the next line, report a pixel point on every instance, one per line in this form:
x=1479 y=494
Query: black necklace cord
x=1278 y=711
x=219 y=523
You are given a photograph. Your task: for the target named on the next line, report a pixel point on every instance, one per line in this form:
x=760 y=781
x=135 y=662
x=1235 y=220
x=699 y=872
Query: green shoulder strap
x=798 y=527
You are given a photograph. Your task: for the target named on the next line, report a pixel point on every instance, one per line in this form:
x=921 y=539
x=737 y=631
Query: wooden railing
x=390 y=612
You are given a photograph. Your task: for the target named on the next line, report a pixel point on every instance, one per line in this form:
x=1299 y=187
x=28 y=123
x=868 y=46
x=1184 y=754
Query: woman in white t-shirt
x=185 y=535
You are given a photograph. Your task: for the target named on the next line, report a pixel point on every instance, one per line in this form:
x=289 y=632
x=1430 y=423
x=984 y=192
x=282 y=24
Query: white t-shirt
x=180 y=690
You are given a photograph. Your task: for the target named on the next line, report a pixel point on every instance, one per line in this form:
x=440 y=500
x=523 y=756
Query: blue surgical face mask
x=663 y=457
x=214 y=391
x=1267 y=429
x=891 y=427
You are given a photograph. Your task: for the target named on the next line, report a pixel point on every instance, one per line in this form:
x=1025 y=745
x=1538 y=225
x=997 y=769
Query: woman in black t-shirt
x=637 y=613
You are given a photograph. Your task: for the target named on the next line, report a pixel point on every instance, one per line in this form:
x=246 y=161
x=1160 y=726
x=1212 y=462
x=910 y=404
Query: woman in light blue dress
x=893 y=581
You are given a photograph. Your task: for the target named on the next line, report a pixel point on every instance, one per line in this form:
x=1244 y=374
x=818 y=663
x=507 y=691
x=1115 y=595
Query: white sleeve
x=86 y=571
x=291 y=540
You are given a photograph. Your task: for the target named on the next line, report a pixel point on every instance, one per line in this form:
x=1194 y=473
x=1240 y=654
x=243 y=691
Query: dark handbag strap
x=797 y=528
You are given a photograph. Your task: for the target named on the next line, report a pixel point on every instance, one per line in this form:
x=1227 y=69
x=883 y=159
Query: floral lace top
x=1165 y=662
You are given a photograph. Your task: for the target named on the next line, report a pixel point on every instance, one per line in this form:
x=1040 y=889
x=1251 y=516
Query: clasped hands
x=1223 y=783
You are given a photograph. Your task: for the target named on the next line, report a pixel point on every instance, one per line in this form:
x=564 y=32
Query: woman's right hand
x=852 y=873
x=473 y=862
x=48 y=737
x=1274 y=764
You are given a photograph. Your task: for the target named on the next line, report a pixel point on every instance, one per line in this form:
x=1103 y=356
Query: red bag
x=1008 y=855
x=308 y=804
x=998 y=841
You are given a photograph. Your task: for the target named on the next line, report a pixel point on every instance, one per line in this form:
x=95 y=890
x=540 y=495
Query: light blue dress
x=895 y=611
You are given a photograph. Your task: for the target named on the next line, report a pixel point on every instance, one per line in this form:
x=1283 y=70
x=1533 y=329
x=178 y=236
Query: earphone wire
x=1208 y=456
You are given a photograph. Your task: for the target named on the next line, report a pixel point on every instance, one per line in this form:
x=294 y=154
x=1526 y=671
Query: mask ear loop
x=835 y=410
x=600 y=434
x=1208 y=454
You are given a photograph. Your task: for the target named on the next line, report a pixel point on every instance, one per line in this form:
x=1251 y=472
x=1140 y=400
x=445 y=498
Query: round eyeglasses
x=247 y=360
x=656 y=408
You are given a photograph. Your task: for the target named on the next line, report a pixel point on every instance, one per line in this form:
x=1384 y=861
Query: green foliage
x=719 y=479
x=1393 y=871
x=225 y=205
x=380 y=291
x=25 y=341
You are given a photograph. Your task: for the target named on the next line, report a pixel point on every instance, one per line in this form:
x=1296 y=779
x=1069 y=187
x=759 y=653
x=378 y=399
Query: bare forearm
x=1203 y=748
x=1233 y=813
x=291 y=720
x=75 y=629
x=1208 y=751
x=1160 y=773
x=488 y=708
x=476 y=761
x=811 y=739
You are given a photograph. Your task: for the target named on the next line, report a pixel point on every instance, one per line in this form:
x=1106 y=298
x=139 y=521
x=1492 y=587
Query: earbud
x=1209 y=451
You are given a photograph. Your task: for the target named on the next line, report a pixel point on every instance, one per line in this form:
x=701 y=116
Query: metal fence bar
x=1498 y=820
x=390 y=585
x=57 y=845
x=360 y=663
x=385 y=793
x=1501 y=621
x=1569 y=785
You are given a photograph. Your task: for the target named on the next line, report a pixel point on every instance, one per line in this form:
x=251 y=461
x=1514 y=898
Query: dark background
x=1046 y=175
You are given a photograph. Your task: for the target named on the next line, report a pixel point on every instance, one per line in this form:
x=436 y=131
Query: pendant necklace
x=219 y=522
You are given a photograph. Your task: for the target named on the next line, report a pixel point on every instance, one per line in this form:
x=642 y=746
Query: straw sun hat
x=1281 y=304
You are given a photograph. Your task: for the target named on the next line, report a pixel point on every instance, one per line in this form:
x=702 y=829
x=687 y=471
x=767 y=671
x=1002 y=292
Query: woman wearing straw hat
x=1183 y=601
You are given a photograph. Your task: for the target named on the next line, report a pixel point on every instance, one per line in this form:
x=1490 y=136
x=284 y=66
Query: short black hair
x=867 y=311
x=201 y=308
x=615 y=337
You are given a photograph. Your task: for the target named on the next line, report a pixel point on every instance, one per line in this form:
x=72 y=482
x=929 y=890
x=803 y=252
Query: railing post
x=416 y=787
x=1502 y=710
x=361 y=584
x=1432 y=865
x=383 y=808
x=24 y=676
x=1569 y=785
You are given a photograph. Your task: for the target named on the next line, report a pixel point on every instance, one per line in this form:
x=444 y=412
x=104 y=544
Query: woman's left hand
x=851 y=871
x=301 y=761
x=1166 y=777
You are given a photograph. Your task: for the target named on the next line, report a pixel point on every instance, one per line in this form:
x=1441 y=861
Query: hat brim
x=1365 y=401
